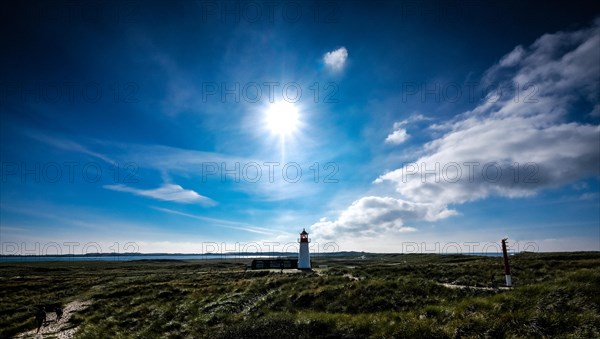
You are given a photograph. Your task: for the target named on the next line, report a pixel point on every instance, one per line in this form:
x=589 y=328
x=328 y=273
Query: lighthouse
x=303 y=255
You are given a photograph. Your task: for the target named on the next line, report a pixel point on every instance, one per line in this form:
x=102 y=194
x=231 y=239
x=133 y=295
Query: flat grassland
x=387 y=295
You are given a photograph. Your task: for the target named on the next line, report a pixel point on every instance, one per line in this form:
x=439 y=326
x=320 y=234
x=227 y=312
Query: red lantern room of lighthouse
x=304 y=255
x=304 y=236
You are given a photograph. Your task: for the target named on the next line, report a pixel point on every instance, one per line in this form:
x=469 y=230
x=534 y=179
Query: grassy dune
x=555 y=295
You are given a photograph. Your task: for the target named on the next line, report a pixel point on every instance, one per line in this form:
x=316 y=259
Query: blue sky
x=384 y=127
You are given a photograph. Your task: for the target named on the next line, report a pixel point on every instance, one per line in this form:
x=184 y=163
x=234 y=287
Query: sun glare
x=282 y=118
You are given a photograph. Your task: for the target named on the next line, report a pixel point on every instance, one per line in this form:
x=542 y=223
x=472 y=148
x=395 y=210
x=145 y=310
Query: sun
x=282 y=118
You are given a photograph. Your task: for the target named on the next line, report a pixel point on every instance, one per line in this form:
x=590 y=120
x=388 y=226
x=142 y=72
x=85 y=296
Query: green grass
x=383 y=296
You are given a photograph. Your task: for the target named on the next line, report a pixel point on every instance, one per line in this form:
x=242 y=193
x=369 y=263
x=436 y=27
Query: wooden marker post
x=506 y=266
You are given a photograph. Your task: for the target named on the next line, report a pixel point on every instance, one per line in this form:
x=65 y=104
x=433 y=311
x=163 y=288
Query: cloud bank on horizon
x=511 y=146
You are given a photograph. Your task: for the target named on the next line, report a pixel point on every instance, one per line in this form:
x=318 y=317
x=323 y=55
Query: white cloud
x=400 y=134
x=370 y=216
x=416 y=117
x=335 y=60
x=167 y=192
x=397 y=137
x=532 y=131
x=465 y=161
x=513 y=57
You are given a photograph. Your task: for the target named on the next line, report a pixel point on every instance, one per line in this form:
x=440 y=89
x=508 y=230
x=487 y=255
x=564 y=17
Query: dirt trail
x=499 y=288
x=60 y=329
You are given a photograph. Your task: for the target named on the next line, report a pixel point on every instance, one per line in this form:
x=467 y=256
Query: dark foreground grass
x=556 y=295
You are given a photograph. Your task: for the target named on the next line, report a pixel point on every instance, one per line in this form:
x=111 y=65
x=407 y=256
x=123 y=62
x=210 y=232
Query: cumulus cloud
x=167 y=192
x=397 y=137
x=335 y=60
x=512 y=146
x=372 y=215
x=400 y=134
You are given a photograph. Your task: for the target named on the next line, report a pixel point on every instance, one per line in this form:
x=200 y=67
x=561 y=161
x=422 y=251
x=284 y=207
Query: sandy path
x=499 y=288
x=61 y=329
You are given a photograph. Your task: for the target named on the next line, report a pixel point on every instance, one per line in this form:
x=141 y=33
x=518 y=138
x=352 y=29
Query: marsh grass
x=556 y=295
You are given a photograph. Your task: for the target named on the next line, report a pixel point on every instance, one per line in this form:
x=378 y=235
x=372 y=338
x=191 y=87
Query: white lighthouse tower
x=303 y=255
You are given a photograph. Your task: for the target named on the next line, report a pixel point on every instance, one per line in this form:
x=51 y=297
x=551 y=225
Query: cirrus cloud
x=167 y=192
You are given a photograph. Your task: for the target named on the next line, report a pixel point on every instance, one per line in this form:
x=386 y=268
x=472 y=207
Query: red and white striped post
x=506 y=266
